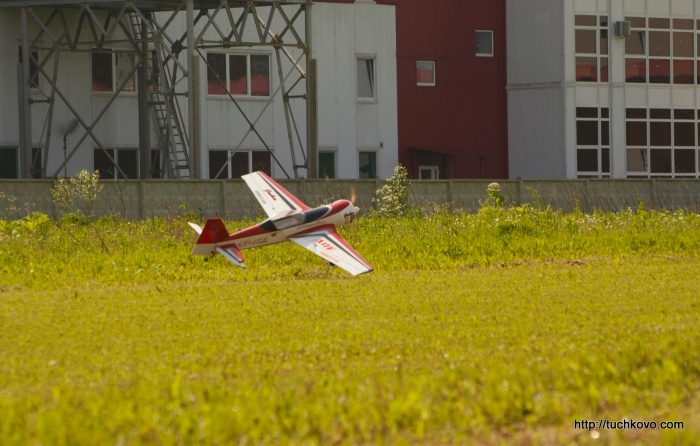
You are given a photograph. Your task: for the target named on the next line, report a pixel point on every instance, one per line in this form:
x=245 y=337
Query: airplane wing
x=275 y=200
x=325 y=242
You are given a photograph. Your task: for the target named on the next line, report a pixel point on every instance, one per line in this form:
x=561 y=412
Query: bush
x=392 y=198
x=79 y=193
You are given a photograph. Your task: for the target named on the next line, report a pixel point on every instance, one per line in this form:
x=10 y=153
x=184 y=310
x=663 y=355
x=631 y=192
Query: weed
x=494 y=195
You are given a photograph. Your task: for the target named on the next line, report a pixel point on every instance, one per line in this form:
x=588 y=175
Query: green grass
x=503 y=327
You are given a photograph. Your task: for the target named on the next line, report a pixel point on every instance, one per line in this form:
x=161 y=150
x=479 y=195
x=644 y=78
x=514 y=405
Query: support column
x=617 y=92
x=25 y=114
x=311 y=101
x=192 y=95
x=144 y=115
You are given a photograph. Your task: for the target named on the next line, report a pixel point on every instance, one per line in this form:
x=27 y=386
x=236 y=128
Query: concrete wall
x=138 y=199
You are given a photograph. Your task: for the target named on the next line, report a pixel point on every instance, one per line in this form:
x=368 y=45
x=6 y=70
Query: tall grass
x=498 y=327
x=111 y=250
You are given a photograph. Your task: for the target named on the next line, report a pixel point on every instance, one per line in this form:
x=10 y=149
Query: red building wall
x=464 y=116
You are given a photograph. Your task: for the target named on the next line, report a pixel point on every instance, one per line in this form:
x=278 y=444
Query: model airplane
x=289 y=219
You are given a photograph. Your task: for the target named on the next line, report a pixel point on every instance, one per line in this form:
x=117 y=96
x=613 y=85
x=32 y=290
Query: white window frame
x=426 y=84
x=434 y=172
x=373 y=79
x=601 y=54
x=480 y=54
x=129 y=87
x=599 y=147
x=334 y=152
x=249 y=75
x=646 y=149
x=376 y=163
x=117 y=151
x=229 y=156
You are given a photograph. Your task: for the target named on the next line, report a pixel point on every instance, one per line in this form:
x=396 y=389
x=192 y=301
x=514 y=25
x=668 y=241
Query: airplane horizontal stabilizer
x=232 y=254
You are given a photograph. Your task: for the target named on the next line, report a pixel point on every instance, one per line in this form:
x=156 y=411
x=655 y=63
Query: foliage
x=499 y=327
x=392 y=198
x=79 y=192
x=494 y=195
x=33 y=223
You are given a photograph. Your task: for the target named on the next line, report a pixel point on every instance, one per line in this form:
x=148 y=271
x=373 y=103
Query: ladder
x=172 y=138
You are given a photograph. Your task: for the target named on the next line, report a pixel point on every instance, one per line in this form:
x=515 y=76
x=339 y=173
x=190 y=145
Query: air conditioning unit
x=623 y=29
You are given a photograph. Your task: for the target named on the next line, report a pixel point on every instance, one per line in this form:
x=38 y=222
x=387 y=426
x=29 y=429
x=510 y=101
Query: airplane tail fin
x=209 y=242
x=214 y=232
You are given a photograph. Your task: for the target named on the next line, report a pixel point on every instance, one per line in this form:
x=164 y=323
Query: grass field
x=504 y=327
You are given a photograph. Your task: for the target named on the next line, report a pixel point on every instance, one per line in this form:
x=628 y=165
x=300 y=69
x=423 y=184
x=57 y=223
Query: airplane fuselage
x=279 y=228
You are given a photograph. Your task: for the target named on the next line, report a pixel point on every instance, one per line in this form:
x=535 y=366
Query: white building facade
x=251 y=100
x=603 y=88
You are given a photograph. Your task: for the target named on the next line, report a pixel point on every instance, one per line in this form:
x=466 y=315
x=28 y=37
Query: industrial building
x=197 y=89
x=350 y=88
x=603 y=89
x=415 y=82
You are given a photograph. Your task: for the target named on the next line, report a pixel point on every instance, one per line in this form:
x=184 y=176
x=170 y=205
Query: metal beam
x=25 y=142
x=311 y=102
x=104 y=24
x=192 y=95
x=144 y=115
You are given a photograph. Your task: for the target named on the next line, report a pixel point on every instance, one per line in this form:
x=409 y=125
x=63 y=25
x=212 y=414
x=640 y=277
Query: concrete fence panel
x=134 y=199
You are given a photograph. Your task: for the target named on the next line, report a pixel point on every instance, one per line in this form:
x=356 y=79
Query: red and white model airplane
x=289 y=219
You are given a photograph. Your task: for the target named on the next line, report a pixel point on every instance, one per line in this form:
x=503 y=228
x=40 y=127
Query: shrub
x=81 y=190
x=392 y=198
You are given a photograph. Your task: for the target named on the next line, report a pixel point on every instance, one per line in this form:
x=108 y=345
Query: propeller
x=353 y=197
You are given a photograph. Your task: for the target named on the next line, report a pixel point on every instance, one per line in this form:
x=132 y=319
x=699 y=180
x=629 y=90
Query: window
x=124 y=68
x=660 y=51
x=683 y=42
x=365 y=78
x=425 y=73
x=484 y=43
x=661 y=143
x=126 y=159
x=105 y=63
x=239 y=74
x=33 y=68
x=368 y=165
x=592 y=142
x=326 y=164
x=591 y=47
x=9 y=166
x=9 y=163
x=224 y=164
x=428 y=173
